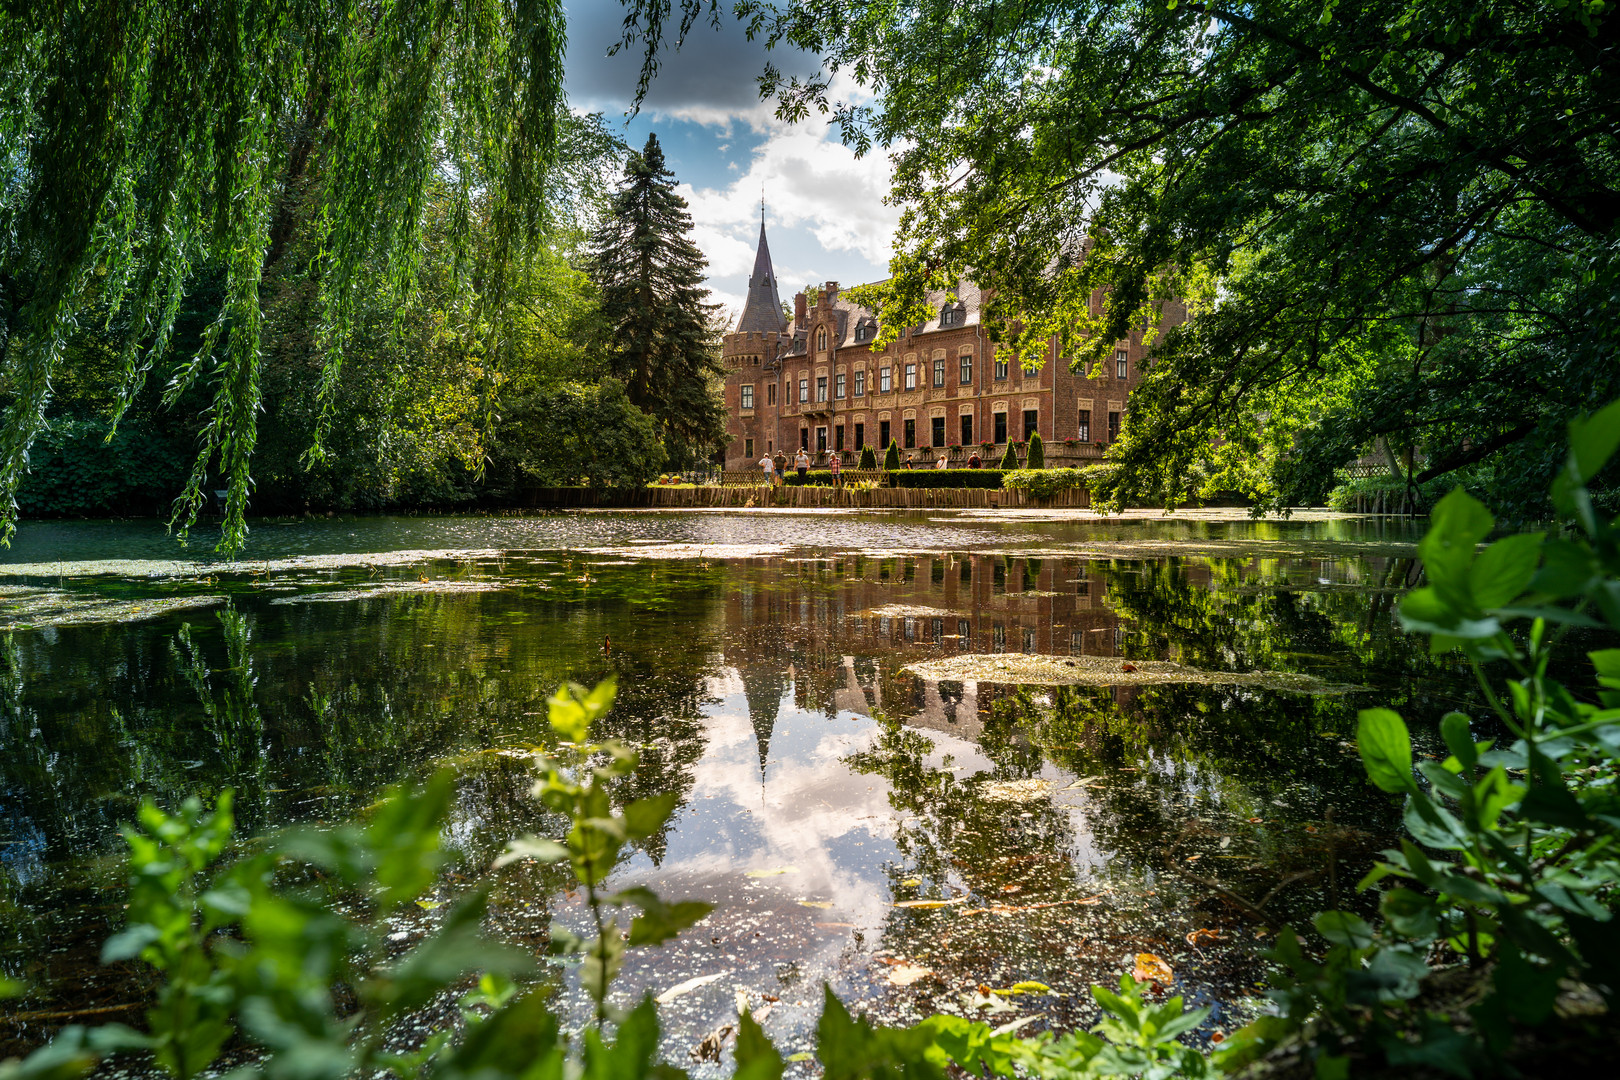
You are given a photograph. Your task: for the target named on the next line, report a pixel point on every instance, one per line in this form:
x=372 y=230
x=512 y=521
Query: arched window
x=821 y=340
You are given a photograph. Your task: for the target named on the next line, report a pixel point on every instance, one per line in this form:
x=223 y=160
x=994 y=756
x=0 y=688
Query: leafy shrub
x=1036 y=459
x=868 y=457
x=947 y=478
x=891 y=456
x=577 y=433
x=1009 y=460
x=1348 y=493
x=1043 y=483
x=74 y=469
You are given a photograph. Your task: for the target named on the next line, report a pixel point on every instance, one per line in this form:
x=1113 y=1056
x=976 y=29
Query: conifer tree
x=1037 y=452
x=868 y=457
x=891 y=459
x=1009 y=460
x=661 y=326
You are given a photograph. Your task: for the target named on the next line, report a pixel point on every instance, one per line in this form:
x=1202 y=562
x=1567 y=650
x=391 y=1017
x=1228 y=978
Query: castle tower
x=750 y=354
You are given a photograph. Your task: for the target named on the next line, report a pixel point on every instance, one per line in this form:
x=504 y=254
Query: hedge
x=947 y=478
x=1043 y=483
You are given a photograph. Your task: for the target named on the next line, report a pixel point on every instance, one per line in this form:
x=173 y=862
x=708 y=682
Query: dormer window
x=947 y=316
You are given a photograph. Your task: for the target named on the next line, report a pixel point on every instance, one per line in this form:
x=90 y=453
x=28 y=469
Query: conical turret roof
x=763 y=311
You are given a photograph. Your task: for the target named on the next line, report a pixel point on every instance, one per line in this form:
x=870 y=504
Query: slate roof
x=763 y=310
x=967 y=301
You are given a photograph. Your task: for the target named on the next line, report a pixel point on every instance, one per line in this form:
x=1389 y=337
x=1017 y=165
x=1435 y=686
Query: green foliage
x=1510 y=862
x=1416 y=205
x=1009 y=460
x=1037 y=452
x=660 y=326
x=868 y=457
x=1043 y=483
x=84 y=467
x=577 y=433
x=891 y=457
x=947 y=478
x=146 y=141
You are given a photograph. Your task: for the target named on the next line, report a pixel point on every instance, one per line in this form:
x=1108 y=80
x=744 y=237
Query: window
x=804 y=390
x=748 y=449
x=1032 y=421
x=939 y=372
x=821 y=440
x=860 y=384
x=838 y=386
x=821 y=388
x=1113 y=427
x=1085 y=425
x=883 y=435
x=821 y=339
x=838 y=437
x=1001 y=369
x=770 y=393
x=1001 y=427
x=967 y=370
x=911 y=376
x=947 y=316
x=967 y=429
x=911 y=434
x=860 y=436
x=938 y=432
x=747 y=396
x=1120 y=363
x=804 y=438
x=886 y=379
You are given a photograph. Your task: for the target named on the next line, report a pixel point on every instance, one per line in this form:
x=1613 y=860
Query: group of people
x=776 y=467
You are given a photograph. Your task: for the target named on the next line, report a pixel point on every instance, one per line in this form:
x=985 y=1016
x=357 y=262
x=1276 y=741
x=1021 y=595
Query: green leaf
x=644 y=817
x=128 y=943
x=1386 y=749
x=660 y=921
x=851 y=1049
x=1457 y=525
x=1504 y=569
x=1410 y=914
x=1455 y=729
x=633 y=1053
x=539 y=848
x=1592 y=441
x=756 y=1057
x=1343 y=928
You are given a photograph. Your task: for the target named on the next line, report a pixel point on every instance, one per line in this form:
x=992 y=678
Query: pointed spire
x=763 y=310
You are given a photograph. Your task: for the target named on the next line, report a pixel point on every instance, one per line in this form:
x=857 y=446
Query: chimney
x=801 y=312
x=832 y=293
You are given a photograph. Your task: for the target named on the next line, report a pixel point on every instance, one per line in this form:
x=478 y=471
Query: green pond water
x=761 y=661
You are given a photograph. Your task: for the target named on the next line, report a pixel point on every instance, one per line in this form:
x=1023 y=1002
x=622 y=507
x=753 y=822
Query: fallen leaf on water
x=834 y=925
x=815 y=903
x=986 y=1002
x=905 y=974
x=709 y=1048
x=1025 y=988
x=1255 y=821
x=929 y=903
x=1202 y=935
x=1150 y=968
x=689 y=985
x=912 y=882
x=1310 y=828
x=430 y=904
x=1194 y=858
x=773 y=873
x=800 y=1056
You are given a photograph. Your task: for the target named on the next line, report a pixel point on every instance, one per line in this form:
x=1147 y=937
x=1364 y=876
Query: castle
x=817 y=383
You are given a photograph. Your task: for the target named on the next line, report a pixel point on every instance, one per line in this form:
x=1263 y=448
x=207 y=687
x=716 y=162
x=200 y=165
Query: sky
x=824 y=210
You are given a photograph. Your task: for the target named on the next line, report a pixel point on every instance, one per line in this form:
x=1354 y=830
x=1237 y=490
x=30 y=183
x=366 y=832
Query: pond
x=1147 y=749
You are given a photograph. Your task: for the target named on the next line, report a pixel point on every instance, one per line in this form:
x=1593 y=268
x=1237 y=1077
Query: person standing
x=801 y=462
x=836 y=464
x=973 y=460
x=770 y=470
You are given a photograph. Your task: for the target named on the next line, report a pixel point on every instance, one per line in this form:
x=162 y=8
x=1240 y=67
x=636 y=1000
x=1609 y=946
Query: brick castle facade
x=818 y=383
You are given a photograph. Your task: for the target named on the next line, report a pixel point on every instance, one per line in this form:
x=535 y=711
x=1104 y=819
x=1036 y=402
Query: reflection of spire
x=762 y=689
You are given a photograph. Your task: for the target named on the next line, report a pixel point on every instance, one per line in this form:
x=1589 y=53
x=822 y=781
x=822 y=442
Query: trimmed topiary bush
x=1009 y=460
x=891 y=459
x=1037 y=452
x=868 y=458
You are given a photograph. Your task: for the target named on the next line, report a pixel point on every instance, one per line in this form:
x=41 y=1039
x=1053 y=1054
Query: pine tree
x=891 y=459
x=868 y=457
x=1037 y=452
x=660 y=324
x=1009 y=460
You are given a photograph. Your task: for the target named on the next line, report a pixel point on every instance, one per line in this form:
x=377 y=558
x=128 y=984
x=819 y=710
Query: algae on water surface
x=1084 y=670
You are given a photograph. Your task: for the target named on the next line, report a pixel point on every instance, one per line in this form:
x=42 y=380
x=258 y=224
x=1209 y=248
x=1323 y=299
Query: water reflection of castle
x=824 y=629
